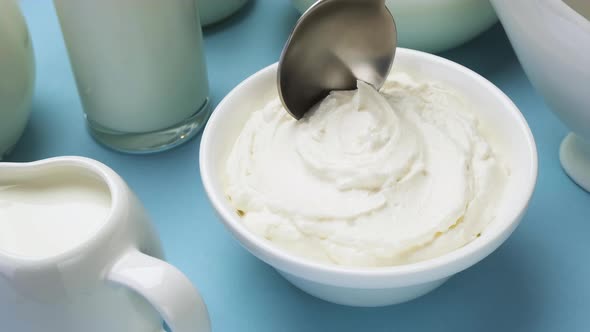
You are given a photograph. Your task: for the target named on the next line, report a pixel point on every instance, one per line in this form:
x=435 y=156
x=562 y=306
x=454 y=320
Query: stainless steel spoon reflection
x=334 y=44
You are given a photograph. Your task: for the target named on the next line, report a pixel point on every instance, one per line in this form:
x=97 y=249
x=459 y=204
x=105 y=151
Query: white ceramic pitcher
x=112 y=279
x=552 y=42
x=17 y=75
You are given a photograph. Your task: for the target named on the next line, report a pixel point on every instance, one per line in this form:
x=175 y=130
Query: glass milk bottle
x=140 y=70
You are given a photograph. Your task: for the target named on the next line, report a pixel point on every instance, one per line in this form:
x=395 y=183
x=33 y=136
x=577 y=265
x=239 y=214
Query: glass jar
x=140 y=70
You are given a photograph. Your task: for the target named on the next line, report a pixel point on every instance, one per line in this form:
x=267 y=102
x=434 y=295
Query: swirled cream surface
x=367 y=178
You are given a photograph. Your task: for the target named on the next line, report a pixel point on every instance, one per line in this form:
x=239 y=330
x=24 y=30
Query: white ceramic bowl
x=434 y=25
x=213 y=11
x=552 y=42
x=384 y=285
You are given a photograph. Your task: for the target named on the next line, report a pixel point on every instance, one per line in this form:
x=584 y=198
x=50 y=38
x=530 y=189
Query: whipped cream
x=367 y=178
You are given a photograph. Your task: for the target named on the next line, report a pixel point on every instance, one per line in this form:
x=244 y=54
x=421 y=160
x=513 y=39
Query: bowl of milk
x=213 y=11
x=434 y=25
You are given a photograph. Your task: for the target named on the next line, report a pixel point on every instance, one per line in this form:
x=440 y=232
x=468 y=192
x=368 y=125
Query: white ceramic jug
x=78 y=254
x=552 y=42
x=17 y=75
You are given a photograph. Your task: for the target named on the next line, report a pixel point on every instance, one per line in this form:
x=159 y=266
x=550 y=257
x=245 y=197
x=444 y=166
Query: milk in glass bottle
x=140 y=70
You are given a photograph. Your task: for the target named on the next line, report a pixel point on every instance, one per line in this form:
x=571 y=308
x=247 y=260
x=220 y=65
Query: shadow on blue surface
x=469 y=302
x=490 y=53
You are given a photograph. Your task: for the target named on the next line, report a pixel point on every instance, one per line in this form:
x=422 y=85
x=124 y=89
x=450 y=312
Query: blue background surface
x=539 y=280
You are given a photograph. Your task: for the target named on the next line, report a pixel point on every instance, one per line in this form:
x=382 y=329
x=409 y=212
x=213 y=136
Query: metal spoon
x=334 y=44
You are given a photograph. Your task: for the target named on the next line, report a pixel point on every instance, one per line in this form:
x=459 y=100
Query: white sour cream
x=367 y=178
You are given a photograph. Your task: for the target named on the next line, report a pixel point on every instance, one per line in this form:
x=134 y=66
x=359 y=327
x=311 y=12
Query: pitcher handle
x=171 y=294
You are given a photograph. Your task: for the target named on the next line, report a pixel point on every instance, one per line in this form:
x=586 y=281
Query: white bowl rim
x=371 y=277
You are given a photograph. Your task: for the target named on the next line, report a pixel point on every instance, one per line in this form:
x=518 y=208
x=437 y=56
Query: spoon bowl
x=334 y=44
